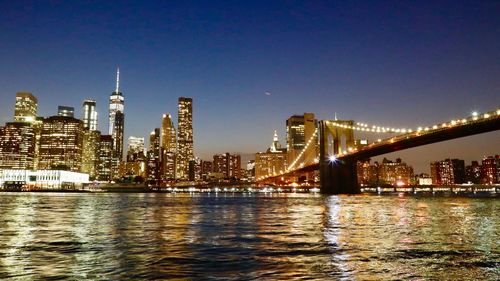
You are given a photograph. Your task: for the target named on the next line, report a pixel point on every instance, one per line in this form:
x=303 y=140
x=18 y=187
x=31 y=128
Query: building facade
x=90 y=153
x=89 y=116
x=66 y=111
x=185 y=137
x=448 y=172
x=229 y=165
x=61 y=144
x=271 y=162
x=17 y=146
x=168 y=148
x=299 y=130
x=26 y=107
x=105 y=158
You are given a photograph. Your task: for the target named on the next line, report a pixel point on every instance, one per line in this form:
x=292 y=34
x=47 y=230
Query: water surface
x=81 y=236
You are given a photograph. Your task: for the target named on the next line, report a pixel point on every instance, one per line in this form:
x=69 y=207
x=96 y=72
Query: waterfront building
x=195 y=169
x=168 y=148
x=89 y=117
x=90 y=154
x=448 y=172
x=105 y=158
x=271 y=162
x=17 y=146
x=473 y=173
x=42 y=179
x=37 y=128
x=26 y=107
x=229 y=165
x=66 y=111
x=490 y=170
x=395 y=173
x=206 y=169
x=299 y=130
x=61 y=144
x=185 y=137
x=153 y=157
x=117 y=119
x=387 y=172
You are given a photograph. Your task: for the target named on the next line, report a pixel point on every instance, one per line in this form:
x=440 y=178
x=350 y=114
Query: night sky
x=249 y=65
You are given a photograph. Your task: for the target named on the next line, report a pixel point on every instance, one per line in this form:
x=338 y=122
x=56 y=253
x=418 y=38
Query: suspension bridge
x=337 y=156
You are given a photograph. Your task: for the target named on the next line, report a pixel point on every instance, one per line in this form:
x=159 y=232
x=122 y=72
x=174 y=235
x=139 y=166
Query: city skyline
x=246 y=82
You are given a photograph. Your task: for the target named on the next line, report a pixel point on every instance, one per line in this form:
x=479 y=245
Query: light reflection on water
x=241 y=236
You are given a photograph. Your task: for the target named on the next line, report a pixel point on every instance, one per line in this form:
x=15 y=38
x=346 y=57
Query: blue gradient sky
x=397 y=63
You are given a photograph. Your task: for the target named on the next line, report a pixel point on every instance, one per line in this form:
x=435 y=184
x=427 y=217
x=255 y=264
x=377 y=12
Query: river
x=157 y=236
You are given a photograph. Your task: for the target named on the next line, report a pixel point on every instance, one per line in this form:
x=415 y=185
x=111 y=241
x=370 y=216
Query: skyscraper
x=26 y=107
x=185 y=137
x=89 y=115
x=66 y=111
x=105 y=158
x=168 y=147
x=117 y=118
x=17 y=146
x=61 y=144
x=153 y=158
x=299 y=130
x=90 y=152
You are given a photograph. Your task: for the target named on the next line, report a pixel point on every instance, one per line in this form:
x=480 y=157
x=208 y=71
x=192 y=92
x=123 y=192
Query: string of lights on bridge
x=364 y=127
x=311 y=139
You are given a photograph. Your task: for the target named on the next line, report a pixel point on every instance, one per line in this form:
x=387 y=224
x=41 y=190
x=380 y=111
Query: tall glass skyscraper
x=169 y=147
x=117 y=118
x=185 y=137
x=89 y=115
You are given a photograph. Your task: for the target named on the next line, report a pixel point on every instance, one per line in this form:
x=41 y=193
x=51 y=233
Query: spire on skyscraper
x=117 y=79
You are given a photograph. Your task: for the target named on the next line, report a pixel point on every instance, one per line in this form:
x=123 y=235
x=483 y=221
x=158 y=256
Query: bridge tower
x=337 y=177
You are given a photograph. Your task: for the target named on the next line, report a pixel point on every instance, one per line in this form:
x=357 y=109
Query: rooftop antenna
x=117 y=79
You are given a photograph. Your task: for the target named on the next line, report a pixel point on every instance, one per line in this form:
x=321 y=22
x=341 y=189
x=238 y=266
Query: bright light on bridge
x=332 y=158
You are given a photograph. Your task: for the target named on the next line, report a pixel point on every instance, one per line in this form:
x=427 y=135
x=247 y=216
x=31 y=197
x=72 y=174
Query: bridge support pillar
x=339 y=178
x=336 y=176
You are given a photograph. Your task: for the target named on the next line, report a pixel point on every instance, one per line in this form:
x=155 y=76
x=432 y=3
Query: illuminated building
x=448 y=172
x=363 y=171
x=89 y=115
x=66 y=111
x=185 y=137
x=490 y=170
x=42 y=179
x=105 y=158
x=195 y=169
x=168 y=147
x=271 y=162
x=136 y=159
x=153 y=158
x=25 y=108
x=17 y=146
x=61 y=144
x=90 y=154
x=37 y=127
x=135 y=148
x=299 y=130
x=473 y=173
x=229 y=165
x=395 y=173
x=206 y=169
x=117 y=119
